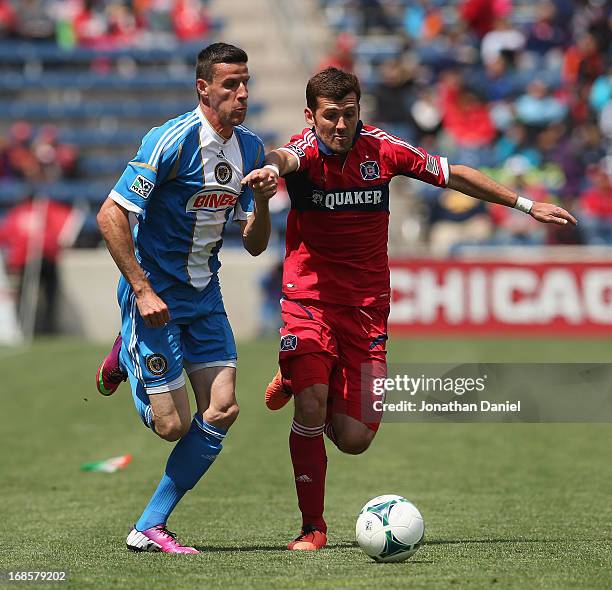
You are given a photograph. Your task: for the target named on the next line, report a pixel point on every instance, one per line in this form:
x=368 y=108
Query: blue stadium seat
x=162 y=109
x=140 y=82
x=69 y=191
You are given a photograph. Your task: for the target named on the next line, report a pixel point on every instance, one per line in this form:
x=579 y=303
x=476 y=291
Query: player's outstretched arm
x=114 y=224
x=264 y=182
x=283 y=160
x=277 y=163
x=474 y=183
x=256 y=231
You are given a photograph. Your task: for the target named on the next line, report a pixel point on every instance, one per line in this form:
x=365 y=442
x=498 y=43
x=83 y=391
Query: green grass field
x=505 y=505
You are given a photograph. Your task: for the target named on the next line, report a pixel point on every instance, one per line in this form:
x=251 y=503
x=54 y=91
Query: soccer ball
x=389 y=528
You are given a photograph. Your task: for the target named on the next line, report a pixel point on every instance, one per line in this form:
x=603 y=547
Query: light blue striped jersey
x=184 y=185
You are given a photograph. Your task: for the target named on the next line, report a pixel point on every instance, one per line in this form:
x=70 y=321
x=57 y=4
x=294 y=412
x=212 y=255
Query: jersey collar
x=219 y=138
x=326 y=151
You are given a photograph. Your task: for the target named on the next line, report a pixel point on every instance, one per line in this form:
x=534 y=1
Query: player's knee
x=355 y=444
x=171 y=429
x=231 y=413
x=311 y=405
x=224 y=415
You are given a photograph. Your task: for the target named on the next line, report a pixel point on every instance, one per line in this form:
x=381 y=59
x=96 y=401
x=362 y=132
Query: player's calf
x=350 y=435
x=171 y=428
x=311 y=405
x=353 y=446
x=223 y=416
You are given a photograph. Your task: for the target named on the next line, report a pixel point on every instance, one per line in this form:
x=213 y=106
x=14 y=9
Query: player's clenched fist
x=263 y=181
x=153 y=310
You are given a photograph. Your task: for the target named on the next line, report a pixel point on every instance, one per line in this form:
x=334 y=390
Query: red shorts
x=340 y=345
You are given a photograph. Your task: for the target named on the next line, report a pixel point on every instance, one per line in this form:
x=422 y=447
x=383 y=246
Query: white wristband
x=273 y=167
x=523 y=204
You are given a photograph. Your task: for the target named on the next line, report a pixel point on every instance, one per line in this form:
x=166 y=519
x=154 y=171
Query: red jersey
x=337 y=228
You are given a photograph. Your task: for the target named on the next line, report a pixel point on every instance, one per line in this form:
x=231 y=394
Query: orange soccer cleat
x=310 y=539
x=278 y=392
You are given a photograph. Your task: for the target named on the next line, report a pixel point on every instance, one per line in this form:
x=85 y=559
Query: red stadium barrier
x=501 y=297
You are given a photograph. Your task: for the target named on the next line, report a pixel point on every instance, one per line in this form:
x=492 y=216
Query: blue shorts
x=198 y=336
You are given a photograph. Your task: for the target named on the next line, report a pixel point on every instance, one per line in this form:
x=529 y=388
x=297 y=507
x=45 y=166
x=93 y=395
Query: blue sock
x=188 y=462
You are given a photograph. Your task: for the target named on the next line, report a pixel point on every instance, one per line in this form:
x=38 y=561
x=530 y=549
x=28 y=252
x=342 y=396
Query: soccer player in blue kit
x=184 y=185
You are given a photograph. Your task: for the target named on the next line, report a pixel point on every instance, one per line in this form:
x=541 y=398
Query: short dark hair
x=218 y=53
x=331 y=83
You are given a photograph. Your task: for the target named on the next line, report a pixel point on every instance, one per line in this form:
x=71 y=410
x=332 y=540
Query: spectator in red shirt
x=596 y=207
x=35 y=231
x=480 y=15
x=190 y=20
x=341 y=56
x=466 y=118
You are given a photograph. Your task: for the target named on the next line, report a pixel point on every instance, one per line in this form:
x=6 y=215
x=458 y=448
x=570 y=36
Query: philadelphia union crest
x=223 y=173
x=157 y=364
x=369 y=170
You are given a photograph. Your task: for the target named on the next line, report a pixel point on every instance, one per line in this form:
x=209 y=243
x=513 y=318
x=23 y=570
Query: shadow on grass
x=353 y=545
x=500 y=541
x=247 y=548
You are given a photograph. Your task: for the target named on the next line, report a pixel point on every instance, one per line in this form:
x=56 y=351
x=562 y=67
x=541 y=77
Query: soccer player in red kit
x=336 y=290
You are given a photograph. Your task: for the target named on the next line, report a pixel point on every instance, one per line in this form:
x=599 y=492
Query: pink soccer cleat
x=110 y=374
x=157 y=538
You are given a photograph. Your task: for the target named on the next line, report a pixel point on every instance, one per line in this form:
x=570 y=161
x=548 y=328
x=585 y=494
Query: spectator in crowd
x=104 y=24
x=36 y=156
x=538 y=107
x=7 y=19
x=466 y=118
x=422 y=21
x=56 y=160
x=511 y=230
x=341 y=55
x=22 y=162
x=498 y=80
x=480 y=15
x=190 y=20
x=33 y=20
x=601 y=91
x=503 y=39
x=595 y=206
x=393 y=98
x=456 y=219
x=33 y=233
x=425 y=115
x=546 y=33
x=584 y=61
x=515 y=142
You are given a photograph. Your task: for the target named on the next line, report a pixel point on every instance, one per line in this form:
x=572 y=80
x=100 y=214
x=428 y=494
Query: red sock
x=309 y=467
